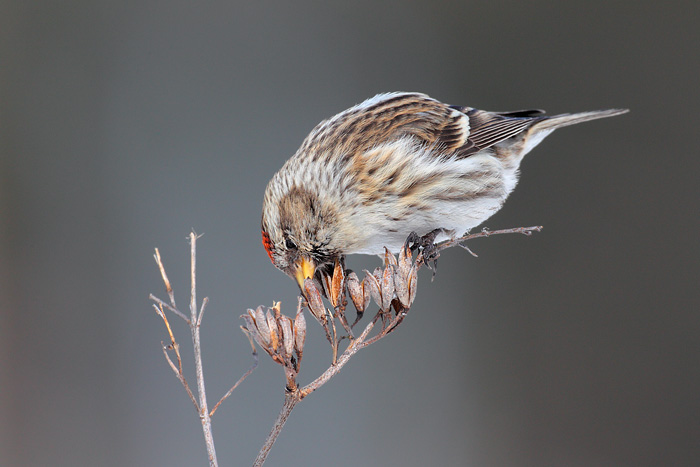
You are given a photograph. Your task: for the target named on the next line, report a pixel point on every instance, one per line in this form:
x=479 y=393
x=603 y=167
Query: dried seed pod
x=313 y=297
x=273 y=331
x=276 y=307
x=389 y=259
x=355 y=292
x=299 y=333
x=366 y=294
x=286 y=324
x=412 y=285
x=326 y=285
x=405 y=260
x=249 y=320
x=387 y=287
x=252 y=329
x=372 y=283
x=337 y=284
x=261 y=324
x=401 y=287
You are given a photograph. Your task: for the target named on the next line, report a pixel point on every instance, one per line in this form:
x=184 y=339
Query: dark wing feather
x=490 y=128
x=388 y=118
x=522 y=113
x=459 y=131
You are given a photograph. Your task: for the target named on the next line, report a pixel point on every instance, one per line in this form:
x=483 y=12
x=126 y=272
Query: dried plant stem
x=352 y=349
x=487 y=233
x=194 y=321
x=241 y=379
x=175 y=347
x=336 y=341
x=293 y=397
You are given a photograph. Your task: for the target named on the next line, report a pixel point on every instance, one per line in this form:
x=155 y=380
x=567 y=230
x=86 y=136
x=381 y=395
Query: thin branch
x=290 y=401
x=242 y=378
x=204 y=416
x=390 y=327
x=201 y=311
x=179 y=374
x=168 y=288
x=340 y=311
x=169 y=307
x=176 y=347
x=173 y=344
x=334 y=344
x=487 y=233
x=352 y=349
x=194 y=321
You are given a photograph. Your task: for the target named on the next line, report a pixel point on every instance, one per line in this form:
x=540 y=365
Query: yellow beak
x=304 y=268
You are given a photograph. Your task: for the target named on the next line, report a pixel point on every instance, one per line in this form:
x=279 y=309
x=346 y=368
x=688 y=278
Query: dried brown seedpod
x=337 y=285
x=299 y=333
x=355 y=291
x=316 y=306
x=387 y=285
x=274 y=338
x=372 y=283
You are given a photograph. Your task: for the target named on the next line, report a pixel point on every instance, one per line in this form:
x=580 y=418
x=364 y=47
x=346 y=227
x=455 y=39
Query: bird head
x=298 y=231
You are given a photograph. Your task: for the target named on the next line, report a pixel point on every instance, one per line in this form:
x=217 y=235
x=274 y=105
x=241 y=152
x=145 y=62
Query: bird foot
x=426 y=245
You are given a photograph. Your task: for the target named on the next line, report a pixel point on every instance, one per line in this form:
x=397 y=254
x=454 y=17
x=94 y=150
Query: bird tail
x=559 y=121
x=543 y=126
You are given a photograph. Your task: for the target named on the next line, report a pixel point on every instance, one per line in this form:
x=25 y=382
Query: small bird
x=396 y=164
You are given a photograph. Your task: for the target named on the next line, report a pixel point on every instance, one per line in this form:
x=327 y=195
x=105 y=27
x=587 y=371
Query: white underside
x=454 y=217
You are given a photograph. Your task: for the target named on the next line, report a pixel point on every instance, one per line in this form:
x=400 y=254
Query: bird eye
x=289 y=243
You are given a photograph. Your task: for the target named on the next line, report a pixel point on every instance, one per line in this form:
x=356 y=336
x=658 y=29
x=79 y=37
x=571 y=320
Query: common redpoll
x=396 y=164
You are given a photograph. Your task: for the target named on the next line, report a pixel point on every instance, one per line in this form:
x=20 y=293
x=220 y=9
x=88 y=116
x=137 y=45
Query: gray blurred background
x=126 y=124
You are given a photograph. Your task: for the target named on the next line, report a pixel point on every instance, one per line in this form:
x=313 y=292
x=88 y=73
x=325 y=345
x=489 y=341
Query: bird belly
x=454 y=218
x=464 y=195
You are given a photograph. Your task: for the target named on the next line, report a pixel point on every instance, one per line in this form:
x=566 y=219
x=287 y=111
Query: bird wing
x=461 y=131
x=489 y=128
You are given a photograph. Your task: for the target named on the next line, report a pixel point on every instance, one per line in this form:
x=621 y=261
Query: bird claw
x=426 y=244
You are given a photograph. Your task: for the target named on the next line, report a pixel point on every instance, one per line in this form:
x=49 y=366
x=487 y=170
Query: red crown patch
x=267 y=243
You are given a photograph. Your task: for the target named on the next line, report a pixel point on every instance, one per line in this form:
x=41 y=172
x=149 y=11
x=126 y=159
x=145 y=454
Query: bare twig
x=335 y=342
x=527 y=231
x=175 y=347
x=168 y=288
x=204 y=416
x=194 y=322
x=333 y=370
x=290 y=401
x=205 y=302
x=169 y=307
x=242 y=378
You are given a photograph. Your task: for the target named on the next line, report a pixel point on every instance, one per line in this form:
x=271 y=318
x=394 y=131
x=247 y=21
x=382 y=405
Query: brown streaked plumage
x=395 y=164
